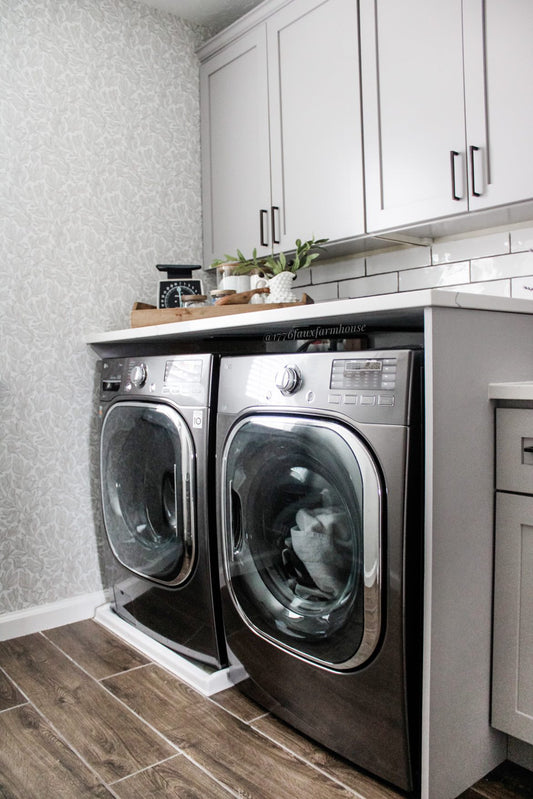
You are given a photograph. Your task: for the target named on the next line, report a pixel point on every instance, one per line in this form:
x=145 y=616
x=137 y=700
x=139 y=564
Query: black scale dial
x=179 y=284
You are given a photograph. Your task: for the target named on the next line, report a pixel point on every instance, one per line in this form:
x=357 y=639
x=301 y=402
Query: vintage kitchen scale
x=179 y=283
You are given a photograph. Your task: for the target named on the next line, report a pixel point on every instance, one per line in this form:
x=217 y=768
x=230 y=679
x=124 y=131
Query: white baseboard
x=55 y=614
x=204 y=679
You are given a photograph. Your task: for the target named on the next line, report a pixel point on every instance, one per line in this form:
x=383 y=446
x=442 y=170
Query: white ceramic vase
x=280 y=288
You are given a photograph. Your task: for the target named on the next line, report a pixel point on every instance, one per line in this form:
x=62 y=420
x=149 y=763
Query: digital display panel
x=177 y=372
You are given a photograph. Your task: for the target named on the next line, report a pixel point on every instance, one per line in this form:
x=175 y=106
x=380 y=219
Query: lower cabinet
x=512 y=692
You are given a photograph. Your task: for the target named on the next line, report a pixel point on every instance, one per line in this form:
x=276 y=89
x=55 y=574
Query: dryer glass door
x=302 y=518
x=147 y=462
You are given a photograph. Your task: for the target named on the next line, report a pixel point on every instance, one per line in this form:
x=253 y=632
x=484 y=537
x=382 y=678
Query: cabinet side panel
x=465 y=351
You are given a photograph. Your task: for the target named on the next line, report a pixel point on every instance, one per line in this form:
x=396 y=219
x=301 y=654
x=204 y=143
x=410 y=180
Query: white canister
x=235 y=282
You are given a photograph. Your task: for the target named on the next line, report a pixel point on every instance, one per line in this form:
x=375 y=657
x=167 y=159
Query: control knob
x=138 y=375
x=288 y=380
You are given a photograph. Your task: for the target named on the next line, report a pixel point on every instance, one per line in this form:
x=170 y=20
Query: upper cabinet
x=235 y=148
x=281 y=131
x=499 y=108
x=413 y=110
x=446 y=107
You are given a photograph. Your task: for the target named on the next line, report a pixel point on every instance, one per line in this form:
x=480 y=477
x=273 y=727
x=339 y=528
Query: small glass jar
x=219 y=294
x=195 y=301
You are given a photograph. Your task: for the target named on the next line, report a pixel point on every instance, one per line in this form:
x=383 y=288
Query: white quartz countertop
x=403 y=308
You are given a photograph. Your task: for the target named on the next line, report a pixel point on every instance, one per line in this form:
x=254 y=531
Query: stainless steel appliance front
x=319 y=486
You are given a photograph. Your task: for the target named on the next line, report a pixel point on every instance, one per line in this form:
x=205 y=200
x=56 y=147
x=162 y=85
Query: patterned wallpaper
x=100 y=165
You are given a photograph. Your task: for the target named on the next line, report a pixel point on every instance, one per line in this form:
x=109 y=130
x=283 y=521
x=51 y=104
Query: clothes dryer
x=320 y=487
x=157 y=492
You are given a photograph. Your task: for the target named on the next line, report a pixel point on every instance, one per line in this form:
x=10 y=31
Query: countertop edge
x=334 y=311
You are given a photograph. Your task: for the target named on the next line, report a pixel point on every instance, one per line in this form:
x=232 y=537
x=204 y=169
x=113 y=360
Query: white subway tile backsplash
x=338 y=269
x=393 y=260
x=445 y=252
x=366 y=286
x=301 y=278
x=522 y=287
x=323 y=292
x=434 y=276
x=502 y=266
x=522 y=239
x=479 y=264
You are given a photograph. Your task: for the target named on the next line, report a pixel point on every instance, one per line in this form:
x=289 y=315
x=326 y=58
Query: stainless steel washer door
x=147 y=481
x=302 y=528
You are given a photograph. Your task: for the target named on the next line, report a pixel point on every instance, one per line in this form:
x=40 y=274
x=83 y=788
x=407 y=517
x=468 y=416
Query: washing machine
x=320 y=484
x=157 y=494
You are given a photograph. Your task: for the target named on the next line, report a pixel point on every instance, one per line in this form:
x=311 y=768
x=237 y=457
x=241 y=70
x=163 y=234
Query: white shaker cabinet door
x=235 y=148
x=499 y=100
x=316 y=149
x=512 y=696
x=413 y=111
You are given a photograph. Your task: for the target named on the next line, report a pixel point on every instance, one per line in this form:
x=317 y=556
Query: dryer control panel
x=184 y=379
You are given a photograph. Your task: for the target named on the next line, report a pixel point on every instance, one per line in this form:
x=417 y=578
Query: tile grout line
x=226 y=710
x=145 y=768
x=100 y=682
x=110 y=693
x=108 y=785
x=285 y=748
x=311 y=764
x=59 y=735
x=237 y=793
x=178 y=751
x=107 y=676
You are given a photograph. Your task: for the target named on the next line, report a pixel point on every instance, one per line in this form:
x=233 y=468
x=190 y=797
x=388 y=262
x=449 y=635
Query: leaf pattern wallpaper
x=100 y=180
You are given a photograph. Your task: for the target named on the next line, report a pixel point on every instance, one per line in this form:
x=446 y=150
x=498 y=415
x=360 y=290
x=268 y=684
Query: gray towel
x=321 y=539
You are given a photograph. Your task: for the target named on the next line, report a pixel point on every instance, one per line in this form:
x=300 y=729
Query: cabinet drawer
x=514 y=450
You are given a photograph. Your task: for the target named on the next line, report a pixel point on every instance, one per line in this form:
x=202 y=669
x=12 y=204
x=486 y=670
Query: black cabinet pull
x=453 y=155
x=263 y=214
x=275 y=239
x=473 y=149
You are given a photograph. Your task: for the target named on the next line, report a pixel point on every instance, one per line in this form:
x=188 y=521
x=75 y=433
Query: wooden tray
x=143 y=315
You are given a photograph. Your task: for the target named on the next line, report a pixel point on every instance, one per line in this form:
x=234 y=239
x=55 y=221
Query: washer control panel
x=363 y=381
x=371 y=386
x=363 y=374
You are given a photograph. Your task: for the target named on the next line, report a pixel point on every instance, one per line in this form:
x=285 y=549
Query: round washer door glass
x=147 y=460
x=302 y=514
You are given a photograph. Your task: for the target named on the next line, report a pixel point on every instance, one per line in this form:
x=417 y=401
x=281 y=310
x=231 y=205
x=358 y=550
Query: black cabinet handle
x=473 y=149
x=453 y=155
x=275 y=239
x=263 y=214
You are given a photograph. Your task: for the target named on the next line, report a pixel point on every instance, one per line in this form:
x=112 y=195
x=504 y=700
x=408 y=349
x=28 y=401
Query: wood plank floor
x=84 y=715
